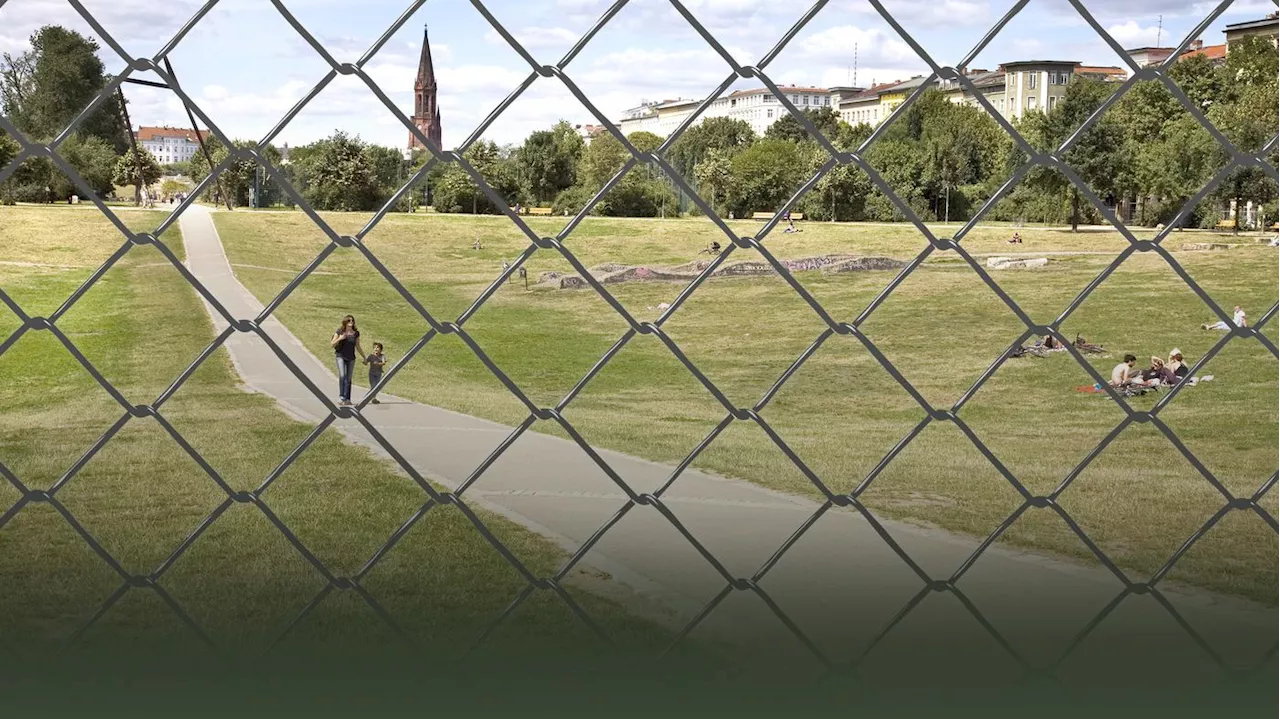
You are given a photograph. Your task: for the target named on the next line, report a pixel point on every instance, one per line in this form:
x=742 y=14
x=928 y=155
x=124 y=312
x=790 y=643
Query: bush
x=637 y=196
x=572 y=200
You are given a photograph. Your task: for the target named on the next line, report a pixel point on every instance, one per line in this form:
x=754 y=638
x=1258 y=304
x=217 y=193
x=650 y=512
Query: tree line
x=1147 y=154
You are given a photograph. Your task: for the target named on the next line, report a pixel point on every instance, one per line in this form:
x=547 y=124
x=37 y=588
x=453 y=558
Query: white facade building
x=758 y=108
x=168 y=144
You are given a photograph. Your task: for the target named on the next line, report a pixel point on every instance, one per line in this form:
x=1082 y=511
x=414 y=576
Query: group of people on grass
x=1161 y=372
x=346 y=345
x=1170 y=371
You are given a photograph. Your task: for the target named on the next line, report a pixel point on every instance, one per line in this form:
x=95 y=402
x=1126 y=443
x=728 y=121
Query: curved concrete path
x=840 y=583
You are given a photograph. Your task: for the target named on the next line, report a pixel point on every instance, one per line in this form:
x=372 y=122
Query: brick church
x=426 y=113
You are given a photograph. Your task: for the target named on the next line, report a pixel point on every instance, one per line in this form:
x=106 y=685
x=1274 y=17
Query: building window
x=806 y=99
x=1031 y=103
x=1031 y=80
x=770 y=111
x=1053 y=100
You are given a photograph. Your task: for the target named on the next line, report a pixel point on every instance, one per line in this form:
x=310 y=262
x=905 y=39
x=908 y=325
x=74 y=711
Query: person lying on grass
x=1239 y=319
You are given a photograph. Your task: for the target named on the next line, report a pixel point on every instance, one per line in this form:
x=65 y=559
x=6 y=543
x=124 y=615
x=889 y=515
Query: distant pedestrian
x=376 y=361
x=791 y=226
x=346 y=345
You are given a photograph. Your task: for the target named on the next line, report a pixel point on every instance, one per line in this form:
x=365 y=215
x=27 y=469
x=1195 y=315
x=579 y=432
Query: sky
x=245 y=66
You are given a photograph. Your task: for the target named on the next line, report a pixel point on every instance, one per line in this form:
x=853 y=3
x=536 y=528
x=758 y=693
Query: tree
x=455 y=191
x=635 y=196
x=9 y=149
x=93 y=159
x=788 y=127
x=841 y=194
x=548 y=160
x=715 y=178
x=49 y=85
x=1200 y=80
x=603 y=158
x=714 y=133
x=130 y=166
x=644 y=141
x=1098 y=155
x=341 y=176
x=765 y=176
x=388 y=167
x=239 y=176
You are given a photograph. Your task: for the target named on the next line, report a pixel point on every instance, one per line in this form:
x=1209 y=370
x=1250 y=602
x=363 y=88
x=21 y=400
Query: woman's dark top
x=1183 y=370
x=346 y=349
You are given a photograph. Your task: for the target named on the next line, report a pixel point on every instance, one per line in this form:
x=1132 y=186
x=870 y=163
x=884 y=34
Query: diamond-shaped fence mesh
x=654 y=501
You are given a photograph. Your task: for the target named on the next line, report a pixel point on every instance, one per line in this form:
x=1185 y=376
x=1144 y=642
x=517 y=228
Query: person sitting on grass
x=376 y=361
x=1123 y=373
x=1158 y=373
x=1175 y=364
x=1016 y=239
x=1239 y=319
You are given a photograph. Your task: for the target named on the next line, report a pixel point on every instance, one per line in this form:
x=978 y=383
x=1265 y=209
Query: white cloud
x=1131 y=34
x=537 y=38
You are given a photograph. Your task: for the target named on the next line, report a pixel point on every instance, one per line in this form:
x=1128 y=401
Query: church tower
x=426 y=113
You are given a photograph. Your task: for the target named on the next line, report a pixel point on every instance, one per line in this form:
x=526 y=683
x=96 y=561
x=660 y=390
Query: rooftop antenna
x=1159 y=30
x=855 y=64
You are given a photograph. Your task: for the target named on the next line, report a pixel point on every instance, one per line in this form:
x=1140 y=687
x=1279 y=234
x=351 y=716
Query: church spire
x=426 y=69
x=426 y=111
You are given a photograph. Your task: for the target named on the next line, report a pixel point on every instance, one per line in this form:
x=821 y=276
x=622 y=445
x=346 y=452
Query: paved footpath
x=840 y=583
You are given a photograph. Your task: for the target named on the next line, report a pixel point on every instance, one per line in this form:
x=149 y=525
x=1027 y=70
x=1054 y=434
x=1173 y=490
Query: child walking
x=376 y=360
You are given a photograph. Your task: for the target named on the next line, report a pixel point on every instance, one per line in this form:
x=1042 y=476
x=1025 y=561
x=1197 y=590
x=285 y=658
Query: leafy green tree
x=765 y=176
x=94 y=159
x=43 y=89
x=238 y=178
x=455 y=191
x=901 y=165
x=644 y=141
x=341 y=175
x=132 y=167
x=788 y=127
x=9 y=149
x=388 y=167
x=1247 y=115
x=548 y=160
x=1200 y=79
x=635 y=196
x=715 y=179
x=1097 y=157
x=603 y=158
x=841 y=194
x=714 y=133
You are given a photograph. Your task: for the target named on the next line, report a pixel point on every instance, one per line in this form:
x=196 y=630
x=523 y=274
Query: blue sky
x=245 y=66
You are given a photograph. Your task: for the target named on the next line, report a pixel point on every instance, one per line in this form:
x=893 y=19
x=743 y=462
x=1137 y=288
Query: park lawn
x=942 y=327
x=141 y=496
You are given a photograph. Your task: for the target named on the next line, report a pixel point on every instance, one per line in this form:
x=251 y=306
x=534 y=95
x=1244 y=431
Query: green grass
x=1140 y=500
x=141 y=495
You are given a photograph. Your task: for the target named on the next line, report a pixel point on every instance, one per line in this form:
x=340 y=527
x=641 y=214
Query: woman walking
x=346 y=344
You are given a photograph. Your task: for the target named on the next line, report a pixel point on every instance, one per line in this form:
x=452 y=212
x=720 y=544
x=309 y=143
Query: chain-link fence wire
x=653 y=501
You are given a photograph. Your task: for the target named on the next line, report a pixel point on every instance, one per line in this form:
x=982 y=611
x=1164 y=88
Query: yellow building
x=896 y=95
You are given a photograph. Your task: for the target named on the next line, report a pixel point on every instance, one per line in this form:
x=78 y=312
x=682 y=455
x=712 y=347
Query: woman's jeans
x=346 y=367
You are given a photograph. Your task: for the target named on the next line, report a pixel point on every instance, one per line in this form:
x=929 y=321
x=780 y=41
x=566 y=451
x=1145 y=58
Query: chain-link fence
x=654 y=501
